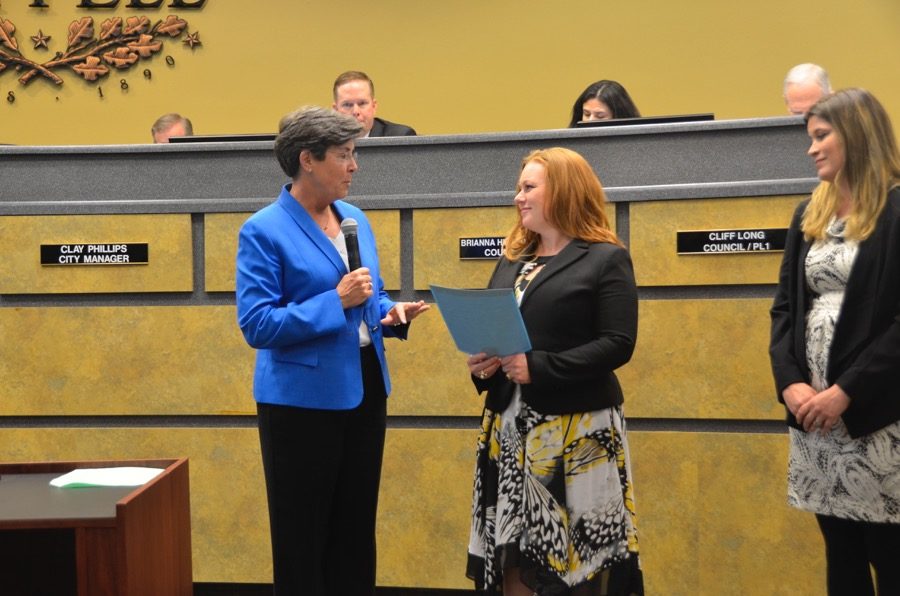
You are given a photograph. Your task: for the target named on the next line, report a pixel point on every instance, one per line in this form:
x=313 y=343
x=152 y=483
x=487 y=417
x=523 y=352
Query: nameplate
x=718 y=242
x=484 y=247
x=95 y=254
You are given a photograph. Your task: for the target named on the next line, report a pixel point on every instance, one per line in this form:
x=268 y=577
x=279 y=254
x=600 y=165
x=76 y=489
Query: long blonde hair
x=574 y=204
x=871 y=164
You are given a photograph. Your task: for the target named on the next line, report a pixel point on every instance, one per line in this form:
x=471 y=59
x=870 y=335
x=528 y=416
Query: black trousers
x=851 y=546
x=323 y=469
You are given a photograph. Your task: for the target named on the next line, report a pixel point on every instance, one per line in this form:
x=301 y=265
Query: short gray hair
x=167 y=121
x=808 y=73
x=314 y=129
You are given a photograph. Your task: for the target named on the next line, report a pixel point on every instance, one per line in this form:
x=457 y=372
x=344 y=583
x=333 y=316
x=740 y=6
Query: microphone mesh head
x=349 y=226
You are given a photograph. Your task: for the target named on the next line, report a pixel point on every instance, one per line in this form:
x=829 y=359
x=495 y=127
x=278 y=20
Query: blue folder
x=486 y=321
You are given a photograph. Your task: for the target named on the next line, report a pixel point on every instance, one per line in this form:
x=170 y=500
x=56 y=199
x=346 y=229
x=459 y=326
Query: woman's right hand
x=355 y=287
x=483 y=366
x=795 y=395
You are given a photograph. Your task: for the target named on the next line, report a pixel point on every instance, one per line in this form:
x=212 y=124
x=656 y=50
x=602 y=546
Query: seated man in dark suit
x=354 y=95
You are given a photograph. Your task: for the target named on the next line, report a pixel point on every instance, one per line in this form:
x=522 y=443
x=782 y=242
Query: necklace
x=326 y=224
x=537 y=263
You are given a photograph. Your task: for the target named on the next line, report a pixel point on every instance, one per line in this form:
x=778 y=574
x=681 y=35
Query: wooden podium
x=98 y=541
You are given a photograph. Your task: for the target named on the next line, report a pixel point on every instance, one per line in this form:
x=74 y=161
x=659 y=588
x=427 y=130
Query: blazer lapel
x=573 y=251
x=311 y=230
x=505 y=275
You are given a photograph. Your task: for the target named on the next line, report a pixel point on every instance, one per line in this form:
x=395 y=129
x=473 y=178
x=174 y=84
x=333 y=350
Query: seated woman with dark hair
x=603 y=100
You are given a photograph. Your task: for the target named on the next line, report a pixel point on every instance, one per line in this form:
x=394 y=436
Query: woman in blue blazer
x=321 y=379
x=835 y=344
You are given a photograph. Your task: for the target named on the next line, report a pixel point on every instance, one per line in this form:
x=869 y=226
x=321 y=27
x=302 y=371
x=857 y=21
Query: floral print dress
x=834 y=474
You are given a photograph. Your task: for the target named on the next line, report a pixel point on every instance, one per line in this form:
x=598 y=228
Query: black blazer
x=581 y=314
x=865 y=352
x=383 y=128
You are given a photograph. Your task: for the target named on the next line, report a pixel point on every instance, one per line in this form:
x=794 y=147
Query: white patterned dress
x=835 y=474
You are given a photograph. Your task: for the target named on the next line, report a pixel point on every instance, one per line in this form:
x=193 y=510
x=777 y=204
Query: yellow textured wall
x=124 y=360
x=713 y=518
x=168 y=236
x=436 y=238
x=448 y=390
x=694 y=359
x=701 y=359
x=654 y=228
x=220 y=249
x=452 y=67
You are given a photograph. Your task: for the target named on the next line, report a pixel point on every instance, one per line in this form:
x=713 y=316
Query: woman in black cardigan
x=553 y=508
x=835 y=345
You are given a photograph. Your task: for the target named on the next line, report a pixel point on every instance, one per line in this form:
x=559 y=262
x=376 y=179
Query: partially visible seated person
x=171 y=125
x=603 y=100
x=804 y=85
x=354 y=95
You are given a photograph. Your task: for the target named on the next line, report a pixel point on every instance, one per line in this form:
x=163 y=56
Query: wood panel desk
x=99 y=541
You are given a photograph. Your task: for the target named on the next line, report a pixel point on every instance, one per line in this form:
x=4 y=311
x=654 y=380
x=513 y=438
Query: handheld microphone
x=349 y=228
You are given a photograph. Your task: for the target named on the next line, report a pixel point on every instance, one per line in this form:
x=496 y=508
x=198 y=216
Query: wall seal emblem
x=92 y=54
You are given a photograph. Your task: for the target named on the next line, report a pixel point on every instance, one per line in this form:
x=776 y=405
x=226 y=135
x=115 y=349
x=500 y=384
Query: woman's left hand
x=483 y=366
x=404 y=312
x=516 y=368
x=821 y=411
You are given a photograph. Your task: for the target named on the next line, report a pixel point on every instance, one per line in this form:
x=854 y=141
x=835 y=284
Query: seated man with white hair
x=804 y=85
x=171 y=125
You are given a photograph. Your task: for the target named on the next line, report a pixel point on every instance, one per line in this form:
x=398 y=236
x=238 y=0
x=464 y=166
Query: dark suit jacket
x=581 y=315
x=865 y=352
x=383 y=128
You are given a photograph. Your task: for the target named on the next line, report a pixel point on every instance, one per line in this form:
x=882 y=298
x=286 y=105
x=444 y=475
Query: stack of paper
x=124 y=476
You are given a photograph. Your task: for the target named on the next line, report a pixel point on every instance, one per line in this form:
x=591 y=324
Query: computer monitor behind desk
x=646 y=120
x=225 y=138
